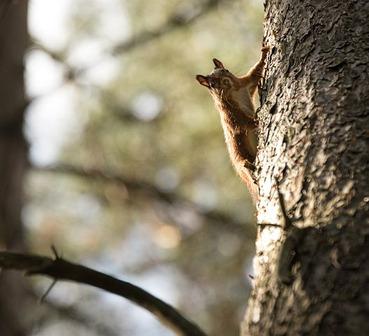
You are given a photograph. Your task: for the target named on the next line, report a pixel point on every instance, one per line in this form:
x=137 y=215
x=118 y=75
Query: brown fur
x=233 y=97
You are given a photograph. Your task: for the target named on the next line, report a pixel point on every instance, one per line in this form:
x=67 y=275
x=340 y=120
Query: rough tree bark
x=13 y=158
x=312 y=277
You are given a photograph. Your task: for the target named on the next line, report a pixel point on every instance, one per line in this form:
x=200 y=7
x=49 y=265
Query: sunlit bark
x=312 y=278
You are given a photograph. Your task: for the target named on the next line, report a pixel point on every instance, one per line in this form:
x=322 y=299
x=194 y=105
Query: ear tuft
x=218 y=64
x=203 y=80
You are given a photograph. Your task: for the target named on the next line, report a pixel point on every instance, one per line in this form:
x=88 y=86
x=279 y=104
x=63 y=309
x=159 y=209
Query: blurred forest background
x=129 y=170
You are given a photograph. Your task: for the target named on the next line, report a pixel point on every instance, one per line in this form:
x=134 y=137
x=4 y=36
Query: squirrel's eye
x=226 y=81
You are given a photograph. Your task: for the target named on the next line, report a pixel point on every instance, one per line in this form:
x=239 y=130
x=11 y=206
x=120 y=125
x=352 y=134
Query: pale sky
x=53 y=118
x=50 y=117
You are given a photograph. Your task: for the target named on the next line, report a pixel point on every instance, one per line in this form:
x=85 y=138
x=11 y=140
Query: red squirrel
x=233 y=96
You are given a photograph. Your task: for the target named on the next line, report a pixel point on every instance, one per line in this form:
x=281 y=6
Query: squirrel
x=233 y=96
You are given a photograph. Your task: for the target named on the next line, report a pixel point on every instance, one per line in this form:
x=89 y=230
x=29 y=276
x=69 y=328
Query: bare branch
x=61 y=269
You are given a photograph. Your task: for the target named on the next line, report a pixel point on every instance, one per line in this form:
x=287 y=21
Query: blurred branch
x=118 y=110
x=75 y=315
x=61 y=269
x=177 y=20
x=134 y=185
x=71 y=313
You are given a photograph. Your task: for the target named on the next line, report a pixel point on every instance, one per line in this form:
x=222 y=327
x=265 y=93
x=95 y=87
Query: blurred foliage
x=153 y=122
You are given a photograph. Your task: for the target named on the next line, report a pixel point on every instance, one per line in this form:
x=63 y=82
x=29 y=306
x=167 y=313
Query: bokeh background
x=129 y=170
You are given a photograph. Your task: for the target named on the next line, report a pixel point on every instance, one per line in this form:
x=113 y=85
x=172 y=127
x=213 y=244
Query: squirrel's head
x=220 y=81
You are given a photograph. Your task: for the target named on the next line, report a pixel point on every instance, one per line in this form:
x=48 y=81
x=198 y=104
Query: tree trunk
x=13 y=158
x=312 y=271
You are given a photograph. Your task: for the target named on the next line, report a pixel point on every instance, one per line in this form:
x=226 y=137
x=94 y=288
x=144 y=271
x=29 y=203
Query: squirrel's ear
x=203 y=80
x=218 y=64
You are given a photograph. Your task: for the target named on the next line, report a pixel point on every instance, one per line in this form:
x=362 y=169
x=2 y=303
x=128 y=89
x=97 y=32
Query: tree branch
x=132 y=185
x=61 y=269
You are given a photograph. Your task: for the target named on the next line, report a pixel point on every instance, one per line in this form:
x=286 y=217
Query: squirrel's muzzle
x=209 y=81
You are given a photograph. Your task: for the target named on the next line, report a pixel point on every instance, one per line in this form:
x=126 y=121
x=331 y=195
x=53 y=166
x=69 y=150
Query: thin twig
x=55 y=252
x=49 y=289
x=282 y=204
x=269 y=224
x=287 y=220
x=61 y=269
